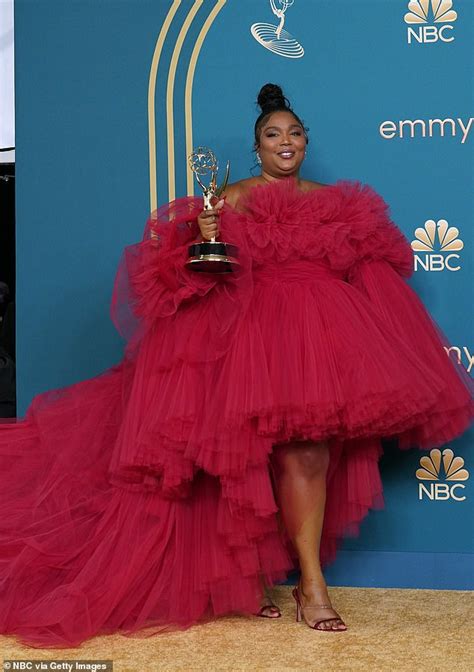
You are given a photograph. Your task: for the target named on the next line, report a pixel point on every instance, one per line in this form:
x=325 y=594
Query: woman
x=280 y=144
x=239 y=437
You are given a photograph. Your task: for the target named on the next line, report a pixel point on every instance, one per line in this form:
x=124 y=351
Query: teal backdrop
x=367 y=86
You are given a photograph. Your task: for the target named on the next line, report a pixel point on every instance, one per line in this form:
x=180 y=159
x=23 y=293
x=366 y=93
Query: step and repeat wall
x=111 y=97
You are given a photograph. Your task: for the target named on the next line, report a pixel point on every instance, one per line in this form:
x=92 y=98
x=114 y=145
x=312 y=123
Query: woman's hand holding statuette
x=208 y=221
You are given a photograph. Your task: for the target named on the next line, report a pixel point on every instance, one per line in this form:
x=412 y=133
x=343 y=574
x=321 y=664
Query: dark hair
x=271 y=99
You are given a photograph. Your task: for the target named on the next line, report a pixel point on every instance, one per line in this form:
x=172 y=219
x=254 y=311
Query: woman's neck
x=266 y=177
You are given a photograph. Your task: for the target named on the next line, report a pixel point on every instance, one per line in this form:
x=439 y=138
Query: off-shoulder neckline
x=248 y=195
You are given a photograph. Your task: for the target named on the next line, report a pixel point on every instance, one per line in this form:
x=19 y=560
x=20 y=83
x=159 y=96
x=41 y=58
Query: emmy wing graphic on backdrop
x=275 y=38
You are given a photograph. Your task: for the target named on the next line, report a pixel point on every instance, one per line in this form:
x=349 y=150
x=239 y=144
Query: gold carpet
x=393 y=630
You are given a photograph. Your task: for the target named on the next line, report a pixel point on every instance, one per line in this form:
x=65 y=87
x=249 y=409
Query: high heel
x=300 y=615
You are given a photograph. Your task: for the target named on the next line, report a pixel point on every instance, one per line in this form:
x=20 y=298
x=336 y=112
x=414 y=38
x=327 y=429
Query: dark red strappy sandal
x=268 y=607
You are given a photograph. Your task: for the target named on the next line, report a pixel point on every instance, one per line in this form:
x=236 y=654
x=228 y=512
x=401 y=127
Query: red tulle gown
x=141 y=500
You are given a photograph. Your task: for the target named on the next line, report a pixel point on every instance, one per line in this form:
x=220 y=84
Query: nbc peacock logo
x=436 y=246
x=430 y=21
x=429 y=474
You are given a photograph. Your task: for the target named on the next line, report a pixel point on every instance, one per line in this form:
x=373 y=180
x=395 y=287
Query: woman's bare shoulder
x=234 y=191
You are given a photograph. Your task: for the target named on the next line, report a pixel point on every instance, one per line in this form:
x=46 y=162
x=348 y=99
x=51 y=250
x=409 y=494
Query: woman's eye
x=273 y=134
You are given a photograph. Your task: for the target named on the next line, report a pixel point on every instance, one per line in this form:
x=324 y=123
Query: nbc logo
x=430 y=467
x=439 y=242
x=423 y=12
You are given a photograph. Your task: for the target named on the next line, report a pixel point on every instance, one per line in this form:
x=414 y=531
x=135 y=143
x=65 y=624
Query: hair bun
x=271 y=97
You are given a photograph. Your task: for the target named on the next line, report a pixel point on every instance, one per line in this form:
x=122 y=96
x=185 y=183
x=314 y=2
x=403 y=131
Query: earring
x=259 y=160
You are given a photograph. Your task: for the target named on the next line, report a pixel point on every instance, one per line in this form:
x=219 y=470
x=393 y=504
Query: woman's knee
x=303 y=458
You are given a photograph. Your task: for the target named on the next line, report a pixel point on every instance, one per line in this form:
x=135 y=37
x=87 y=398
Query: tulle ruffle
x=80 y=556
x=342 y=224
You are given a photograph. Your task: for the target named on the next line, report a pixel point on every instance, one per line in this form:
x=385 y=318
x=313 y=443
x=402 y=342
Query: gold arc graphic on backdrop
x=151 y=100
x=188 y=97
x=170 y=94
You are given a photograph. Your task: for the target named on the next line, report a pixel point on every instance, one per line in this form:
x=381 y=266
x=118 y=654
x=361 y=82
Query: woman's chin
x=287 y=168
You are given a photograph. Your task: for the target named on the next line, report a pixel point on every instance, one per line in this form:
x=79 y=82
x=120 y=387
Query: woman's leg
x=299 y=472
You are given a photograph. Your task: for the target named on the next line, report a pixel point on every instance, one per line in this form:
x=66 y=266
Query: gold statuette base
x=213 y=257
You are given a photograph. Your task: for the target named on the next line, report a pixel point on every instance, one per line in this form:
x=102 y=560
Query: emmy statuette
x=210 y=256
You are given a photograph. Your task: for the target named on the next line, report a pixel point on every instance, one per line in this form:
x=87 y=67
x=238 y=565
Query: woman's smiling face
x=282 y=145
